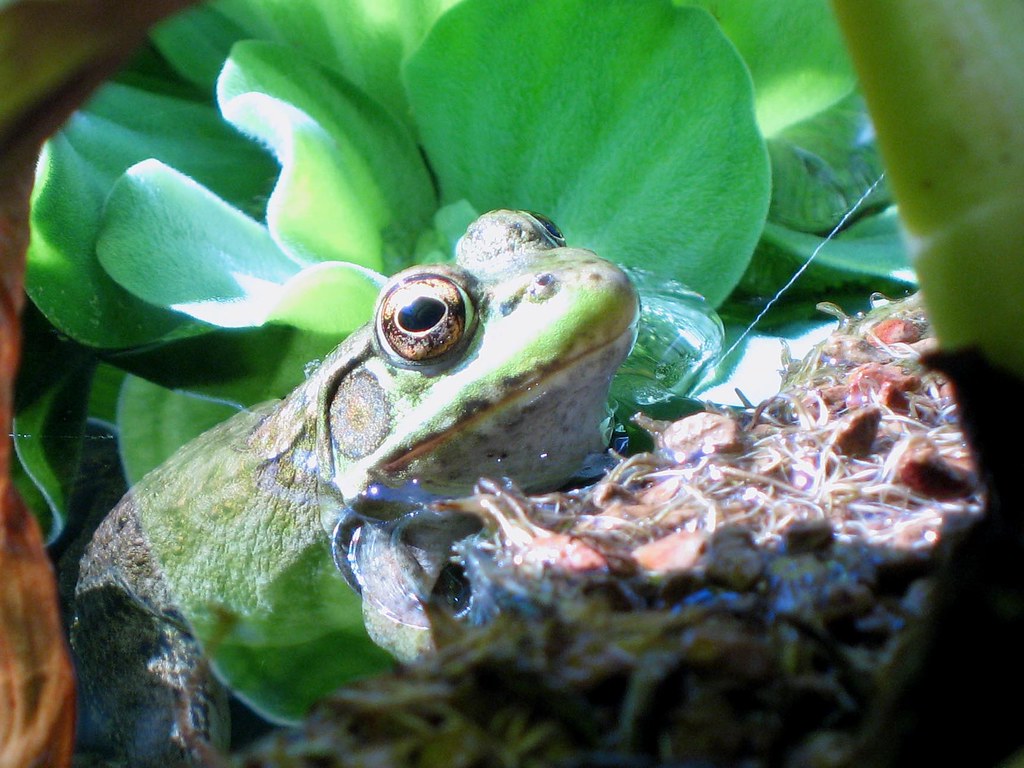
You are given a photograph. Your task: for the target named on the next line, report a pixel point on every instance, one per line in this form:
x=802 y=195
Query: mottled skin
x=502 y=370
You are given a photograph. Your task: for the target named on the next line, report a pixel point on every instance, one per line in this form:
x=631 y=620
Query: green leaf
x=641 y=146
x=48 y=443
x=795 y=54
x=175 y=244
x=153 y=422
x=366 y=41
x=330 y=299
x=150 y=72
x=353 y=186
x=871 y=255
x=451 y=223
x=437 y=244
x=197 y=41
x=105 y=392
x=120 y=127
x=872 y=246
x=823 y=166
x=52 y=393
x=35 y=500
x=243 y=366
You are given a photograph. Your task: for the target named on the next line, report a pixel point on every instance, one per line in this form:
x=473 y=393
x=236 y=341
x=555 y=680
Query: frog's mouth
x=595 y=366
x=397 y=565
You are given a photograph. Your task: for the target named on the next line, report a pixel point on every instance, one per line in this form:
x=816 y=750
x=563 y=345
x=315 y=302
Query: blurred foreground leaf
x=944 y=81
x=37 y=686
x=52 y=55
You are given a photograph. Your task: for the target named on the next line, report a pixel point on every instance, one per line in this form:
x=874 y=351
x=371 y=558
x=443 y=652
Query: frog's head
x=497 y=365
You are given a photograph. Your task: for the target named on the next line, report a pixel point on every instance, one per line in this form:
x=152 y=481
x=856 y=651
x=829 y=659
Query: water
x=680 y=338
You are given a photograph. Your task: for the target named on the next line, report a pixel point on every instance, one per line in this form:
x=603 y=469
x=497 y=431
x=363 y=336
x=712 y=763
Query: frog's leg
x=149 y=696
x=398 y=567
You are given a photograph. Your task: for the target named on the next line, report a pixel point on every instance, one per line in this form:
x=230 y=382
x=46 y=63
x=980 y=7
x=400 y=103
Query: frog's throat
x=543 y=375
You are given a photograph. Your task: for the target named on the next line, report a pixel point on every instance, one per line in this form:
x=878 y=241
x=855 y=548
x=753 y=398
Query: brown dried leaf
x=37 y=691
x=37 y=694
x=52 y=56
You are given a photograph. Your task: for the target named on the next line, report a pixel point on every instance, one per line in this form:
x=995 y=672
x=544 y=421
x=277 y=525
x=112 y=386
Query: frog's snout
x=622 y=298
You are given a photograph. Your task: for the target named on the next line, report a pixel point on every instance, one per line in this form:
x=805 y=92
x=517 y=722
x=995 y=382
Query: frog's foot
x=398 y=566
x=149 y=695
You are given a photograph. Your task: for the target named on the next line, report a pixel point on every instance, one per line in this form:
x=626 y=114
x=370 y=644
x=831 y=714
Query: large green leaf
x=175 y=244
x=870 y=254
x=823 y=166
x=330 y=300
x=364 y=40
x=219 y=373
x=353 y=186
x=239 y=365
x=630 y=124
x=795 y=54
x=120 y=127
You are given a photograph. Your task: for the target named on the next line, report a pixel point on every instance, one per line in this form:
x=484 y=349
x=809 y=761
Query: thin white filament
x=803 y=268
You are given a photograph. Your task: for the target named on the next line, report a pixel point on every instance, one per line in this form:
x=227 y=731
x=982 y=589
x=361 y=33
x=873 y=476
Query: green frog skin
x=496 y=365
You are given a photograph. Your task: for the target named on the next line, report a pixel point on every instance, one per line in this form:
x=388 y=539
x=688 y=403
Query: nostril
x=544 y=285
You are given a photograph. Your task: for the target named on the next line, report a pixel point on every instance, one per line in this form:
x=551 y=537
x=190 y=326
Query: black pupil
x=421 y=314
x=553 y=231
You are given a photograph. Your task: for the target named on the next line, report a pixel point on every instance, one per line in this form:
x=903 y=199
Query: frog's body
x=497 y=365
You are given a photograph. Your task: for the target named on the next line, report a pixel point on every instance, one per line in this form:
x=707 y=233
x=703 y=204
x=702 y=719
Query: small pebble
x=702 y=434
x=678 y=551
x=565 y=553
x=808 y=536
x=887 y=384
x=733 y=559
x=856 y=432
x=924 y=470
x=896 y=330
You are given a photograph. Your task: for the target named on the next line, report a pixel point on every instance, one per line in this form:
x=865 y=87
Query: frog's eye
x=550 y=229
x=421 y=318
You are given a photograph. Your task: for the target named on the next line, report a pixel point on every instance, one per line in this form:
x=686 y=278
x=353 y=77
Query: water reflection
x=680 y=338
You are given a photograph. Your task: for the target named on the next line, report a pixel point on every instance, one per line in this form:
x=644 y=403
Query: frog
x=237 y=549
